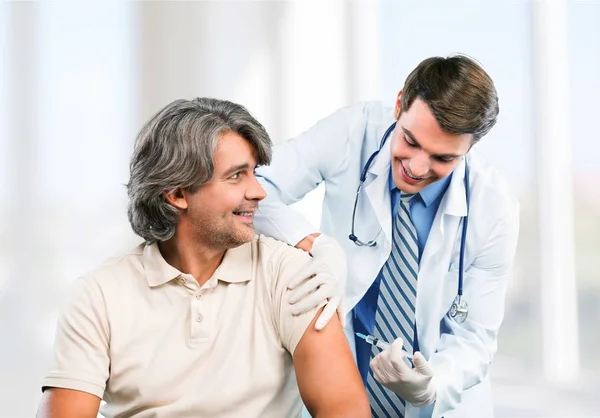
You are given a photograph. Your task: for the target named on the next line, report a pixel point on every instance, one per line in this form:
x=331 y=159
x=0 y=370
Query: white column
x=20 y=356
x=316 y=78
x=560 y=349
x=226 y=50
x=365 y=44
x=315 y=62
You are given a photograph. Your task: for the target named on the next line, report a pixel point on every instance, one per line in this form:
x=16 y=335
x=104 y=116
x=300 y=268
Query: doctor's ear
x=398 y=106
x=177 y=198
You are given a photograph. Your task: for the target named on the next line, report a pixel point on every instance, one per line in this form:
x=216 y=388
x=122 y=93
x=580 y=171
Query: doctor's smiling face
x=421 y=152
x=445 y=106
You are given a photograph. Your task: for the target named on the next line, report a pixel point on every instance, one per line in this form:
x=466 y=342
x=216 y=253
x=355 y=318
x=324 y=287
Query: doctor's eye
x=410 y=143
x=445 y=159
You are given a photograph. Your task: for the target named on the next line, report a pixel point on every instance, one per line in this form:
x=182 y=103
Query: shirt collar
x=157 y=270
x=236 y=266
x=430 y=193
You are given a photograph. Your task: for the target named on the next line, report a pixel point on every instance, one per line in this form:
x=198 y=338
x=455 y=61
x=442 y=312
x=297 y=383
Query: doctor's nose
x=419 y=165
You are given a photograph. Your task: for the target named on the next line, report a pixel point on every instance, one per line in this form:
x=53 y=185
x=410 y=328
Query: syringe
x=379 y=343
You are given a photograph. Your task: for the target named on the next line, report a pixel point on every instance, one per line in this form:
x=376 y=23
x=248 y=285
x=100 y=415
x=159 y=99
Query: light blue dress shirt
x=423 y=207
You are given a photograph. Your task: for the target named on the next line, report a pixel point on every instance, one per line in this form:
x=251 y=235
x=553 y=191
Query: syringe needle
x=379 y=343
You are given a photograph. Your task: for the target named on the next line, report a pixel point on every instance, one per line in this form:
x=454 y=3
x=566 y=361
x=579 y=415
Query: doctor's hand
x=328 y=282
x=416 y=386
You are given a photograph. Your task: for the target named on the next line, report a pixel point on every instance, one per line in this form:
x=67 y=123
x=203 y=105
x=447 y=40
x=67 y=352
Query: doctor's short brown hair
x=458 y=91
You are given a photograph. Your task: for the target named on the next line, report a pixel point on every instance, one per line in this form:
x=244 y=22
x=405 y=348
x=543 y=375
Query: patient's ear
x=177 y=198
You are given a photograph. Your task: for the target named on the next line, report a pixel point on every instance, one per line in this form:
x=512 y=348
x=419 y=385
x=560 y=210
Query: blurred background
x=79 y=79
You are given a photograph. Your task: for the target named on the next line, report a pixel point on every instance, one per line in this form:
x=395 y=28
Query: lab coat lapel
x=435 y=260
x=378 y=192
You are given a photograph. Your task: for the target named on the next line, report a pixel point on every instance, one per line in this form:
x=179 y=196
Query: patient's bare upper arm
x=328 y=379
x=68 y=403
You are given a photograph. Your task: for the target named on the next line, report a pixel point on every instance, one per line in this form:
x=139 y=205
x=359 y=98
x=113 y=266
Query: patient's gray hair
x=175 y=150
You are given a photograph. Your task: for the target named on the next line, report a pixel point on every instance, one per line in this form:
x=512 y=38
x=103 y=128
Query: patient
x=196 y=321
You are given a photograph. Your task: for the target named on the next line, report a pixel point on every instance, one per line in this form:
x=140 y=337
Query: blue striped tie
x=395 y=316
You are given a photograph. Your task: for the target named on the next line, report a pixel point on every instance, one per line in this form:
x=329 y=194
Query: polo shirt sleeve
x=81 y=354
x=290 y=263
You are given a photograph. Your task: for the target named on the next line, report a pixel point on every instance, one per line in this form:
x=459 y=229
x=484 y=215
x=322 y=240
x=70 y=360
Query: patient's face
x=221 y=211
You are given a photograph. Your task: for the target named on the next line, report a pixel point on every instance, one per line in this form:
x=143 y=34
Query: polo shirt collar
x=157 y=270
x=236 y=266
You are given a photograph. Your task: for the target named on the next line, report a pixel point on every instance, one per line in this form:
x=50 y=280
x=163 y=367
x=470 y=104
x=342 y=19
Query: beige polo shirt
x=153 y=343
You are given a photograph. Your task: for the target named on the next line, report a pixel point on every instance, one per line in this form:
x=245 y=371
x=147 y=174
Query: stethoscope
x=459 y=309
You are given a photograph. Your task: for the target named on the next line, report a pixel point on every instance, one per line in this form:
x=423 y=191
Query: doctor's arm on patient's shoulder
x=299 y=166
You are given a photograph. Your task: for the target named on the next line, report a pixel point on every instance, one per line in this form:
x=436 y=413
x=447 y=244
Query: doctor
x=400 y=183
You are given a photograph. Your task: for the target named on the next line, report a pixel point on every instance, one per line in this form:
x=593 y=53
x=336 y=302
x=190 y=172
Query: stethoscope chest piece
x=459 y=309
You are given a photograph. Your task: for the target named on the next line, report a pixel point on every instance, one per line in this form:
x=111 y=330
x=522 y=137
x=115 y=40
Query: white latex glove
x=416 y=386
x=327 y=282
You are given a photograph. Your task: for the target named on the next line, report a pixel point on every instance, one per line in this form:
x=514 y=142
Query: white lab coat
x=335 y=150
